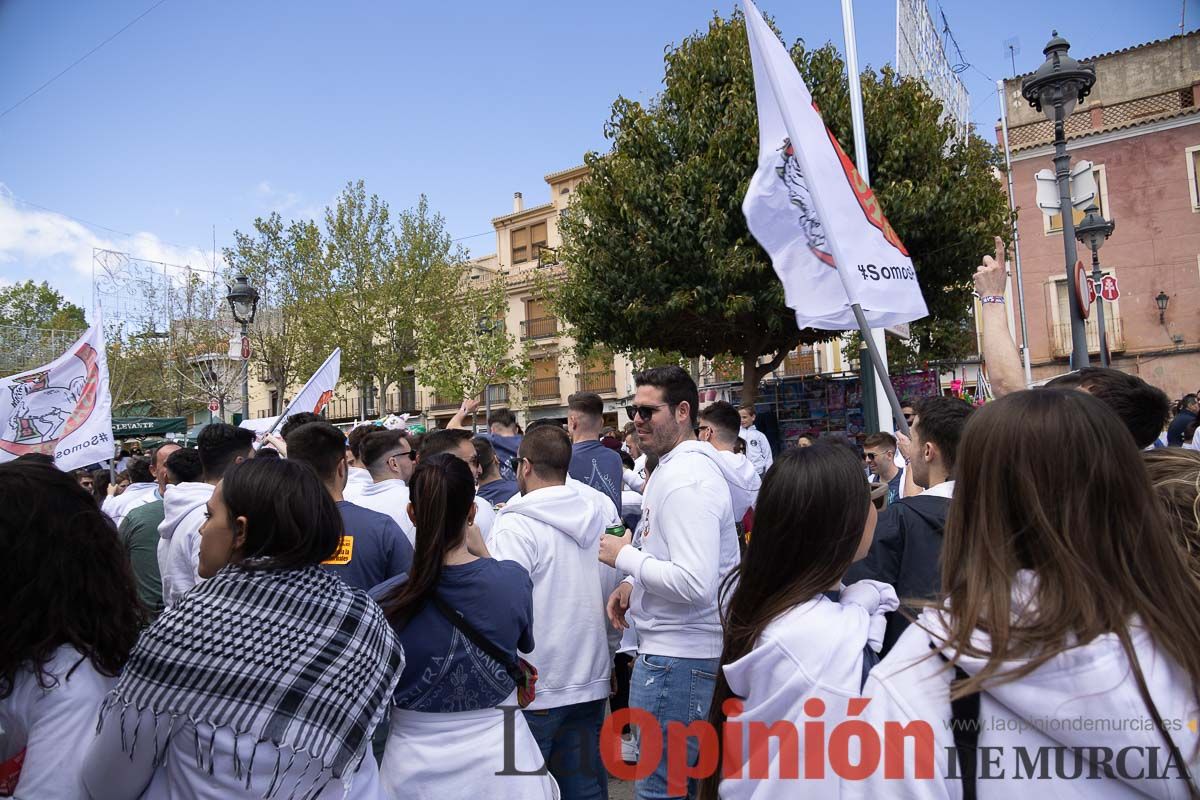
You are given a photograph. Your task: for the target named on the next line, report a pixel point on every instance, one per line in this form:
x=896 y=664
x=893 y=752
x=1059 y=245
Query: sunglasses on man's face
x=411 y=455
x=645 y=412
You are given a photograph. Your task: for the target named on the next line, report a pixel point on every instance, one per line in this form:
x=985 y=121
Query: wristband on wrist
x=991 y=298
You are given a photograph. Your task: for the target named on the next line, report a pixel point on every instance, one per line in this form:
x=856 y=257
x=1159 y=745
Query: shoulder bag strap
x=964 y=725
x=475 y=637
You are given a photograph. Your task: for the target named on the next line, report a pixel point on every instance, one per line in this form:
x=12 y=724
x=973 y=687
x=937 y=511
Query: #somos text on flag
x=809 y=208
x=62 y=409
x=317 y=393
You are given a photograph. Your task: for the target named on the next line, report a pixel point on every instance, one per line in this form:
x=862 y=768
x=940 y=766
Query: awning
x=137 y=427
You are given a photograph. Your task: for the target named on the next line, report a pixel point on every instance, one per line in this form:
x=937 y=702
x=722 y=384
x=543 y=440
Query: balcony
x=600 y=382
x=497 y=394
x=798 y=364
x=543 y=389
x=539 y=328
x=439 y=403
x=1061 y=339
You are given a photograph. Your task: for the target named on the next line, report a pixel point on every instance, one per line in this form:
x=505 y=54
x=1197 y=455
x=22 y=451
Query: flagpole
x=284 y=414
x=885 y=396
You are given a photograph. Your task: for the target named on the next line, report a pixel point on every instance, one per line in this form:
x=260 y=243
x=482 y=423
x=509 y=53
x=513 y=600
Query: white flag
x=62 y=409
x=808 y=207
x=317 y=393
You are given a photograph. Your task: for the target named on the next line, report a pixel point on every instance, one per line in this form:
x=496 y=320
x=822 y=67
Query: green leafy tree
x=37 y=305
x=463 y=347
x=658 y=232
x=276 y=260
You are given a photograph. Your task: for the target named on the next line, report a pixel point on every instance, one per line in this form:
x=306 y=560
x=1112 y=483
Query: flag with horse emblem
x=810 y=209
x=315 y=395
x=62 y=409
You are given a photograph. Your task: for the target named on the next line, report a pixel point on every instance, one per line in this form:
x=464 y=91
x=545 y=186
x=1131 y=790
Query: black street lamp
x=1054 y=89
x=243 y=301
x=487 y=327
x=1162 y=299
x=1093 y=230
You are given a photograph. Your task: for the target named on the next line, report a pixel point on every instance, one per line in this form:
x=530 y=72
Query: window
x=527 y=242
x=1053 y=224
x=1193 y=159
x=1060 y=339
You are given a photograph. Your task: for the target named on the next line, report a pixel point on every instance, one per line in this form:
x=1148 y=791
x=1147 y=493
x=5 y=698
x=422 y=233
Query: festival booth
x=143 y=427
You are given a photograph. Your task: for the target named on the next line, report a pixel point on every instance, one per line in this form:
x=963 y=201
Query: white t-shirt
x=53 y=726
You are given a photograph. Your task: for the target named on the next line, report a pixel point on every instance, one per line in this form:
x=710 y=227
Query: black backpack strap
x=964 y=724
x=478 y=639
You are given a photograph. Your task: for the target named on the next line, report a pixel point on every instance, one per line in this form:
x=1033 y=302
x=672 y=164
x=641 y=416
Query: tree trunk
x=753 y=372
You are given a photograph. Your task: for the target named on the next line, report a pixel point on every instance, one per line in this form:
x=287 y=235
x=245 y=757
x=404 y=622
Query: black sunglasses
x=645 y=412
x=410 y=454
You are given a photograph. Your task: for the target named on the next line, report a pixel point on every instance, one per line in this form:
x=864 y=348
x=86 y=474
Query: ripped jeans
x=673 y=690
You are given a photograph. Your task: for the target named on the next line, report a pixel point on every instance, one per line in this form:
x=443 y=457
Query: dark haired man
x=220 y=447
x=295 y=421
x=141 y=490
x=503 y=432
x=719 y=426
x=591 y=462
x=690 y=544
x=551 y=532
x=139 y=529
x=1189 y=409
x=389 y=456
x=373 y=548
x=879 y=450
x=358 y=476
x=1142 y=407
x=908 y=538
x=458 y=441
x=492 y=487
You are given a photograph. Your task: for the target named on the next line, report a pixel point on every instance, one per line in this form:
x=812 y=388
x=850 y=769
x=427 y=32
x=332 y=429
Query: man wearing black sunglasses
x=389 y=456
x=689 y=545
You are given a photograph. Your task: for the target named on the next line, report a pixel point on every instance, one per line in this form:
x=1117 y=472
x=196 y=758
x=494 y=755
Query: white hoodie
x=758 y=449
x=1086 y=697
x=743 y=479
x=391 y=497
x=815 y=649
x=136 y=494
x=357 y=479
x=179 y=538
x=555 y=535
x=690 y=544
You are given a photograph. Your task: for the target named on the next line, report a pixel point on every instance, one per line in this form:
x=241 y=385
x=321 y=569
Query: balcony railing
x=542 y=389
x=1061 y=343
x=438 y=403
x=497 y=393
x=601 y=382
x=803 y=364
x=539 y=328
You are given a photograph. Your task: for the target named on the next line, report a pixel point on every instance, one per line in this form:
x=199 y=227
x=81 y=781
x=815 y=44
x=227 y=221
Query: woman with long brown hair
x=792 y=631
x=461 y=617
x=1175 y=474
x=1068 y=643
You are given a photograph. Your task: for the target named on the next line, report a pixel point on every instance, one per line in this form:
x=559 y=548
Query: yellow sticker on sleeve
x=344 y=552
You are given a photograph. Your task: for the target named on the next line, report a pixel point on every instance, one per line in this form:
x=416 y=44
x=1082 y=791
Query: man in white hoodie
x=689 y=546
x=390 y=457
x=720 y=427
x=758 y=449
x=141 y=490
x=554 y=533
x=221 y=446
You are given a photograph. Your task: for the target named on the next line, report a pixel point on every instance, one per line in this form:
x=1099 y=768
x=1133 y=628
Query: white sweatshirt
x=136 y=494
x=53 y=726
x=758 y=449
x=555 y=535
x=179 y=539
x=815 y=649
x=391 y=497
x=743 y=480
x=357 y=479
x=690 y=544
x=1086 y=697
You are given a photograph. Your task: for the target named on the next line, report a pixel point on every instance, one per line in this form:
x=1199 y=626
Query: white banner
x=317 y=393
x=812 y=212
x=62 y=409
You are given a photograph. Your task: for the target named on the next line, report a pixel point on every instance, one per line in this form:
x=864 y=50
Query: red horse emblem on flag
x=43 y=414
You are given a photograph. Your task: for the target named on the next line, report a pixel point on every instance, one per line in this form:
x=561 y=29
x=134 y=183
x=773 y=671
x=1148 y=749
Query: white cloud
x=46 y=245
x=272 y=199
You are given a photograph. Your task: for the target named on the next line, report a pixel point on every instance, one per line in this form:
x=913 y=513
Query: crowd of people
x=520 y=613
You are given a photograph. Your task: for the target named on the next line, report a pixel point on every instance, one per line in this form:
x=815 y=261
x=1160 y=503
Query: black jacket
x=1178 y=427
x=906 y=553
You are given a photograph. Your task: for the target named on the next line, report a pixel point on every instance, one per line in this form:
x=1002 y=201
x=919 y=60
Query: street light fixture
x=487 y=327
x=1093 y=230
x=243 y=301
x=1054 y=89
x=1162 y=299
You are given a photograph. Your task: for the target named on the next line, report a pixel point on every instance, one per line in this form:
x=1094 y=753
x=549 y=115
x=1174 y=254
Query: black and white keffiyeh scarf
x=290 y=657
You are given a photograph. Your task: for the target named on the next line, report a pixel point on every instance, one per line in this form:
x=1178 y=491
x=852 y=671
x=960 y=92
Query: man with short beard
x=689 y=545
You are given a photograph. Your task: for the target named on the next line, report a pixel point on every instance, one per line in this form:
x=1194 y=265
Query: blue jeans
x=569 y=738
x=673 y=690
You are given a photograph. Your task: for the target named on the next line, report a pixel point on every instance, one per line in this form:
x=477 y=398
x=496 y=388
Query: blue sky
x=211 y=113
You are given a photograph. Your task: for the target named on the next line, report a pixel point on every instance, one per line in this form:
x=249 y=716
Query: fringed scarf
x=290 y=657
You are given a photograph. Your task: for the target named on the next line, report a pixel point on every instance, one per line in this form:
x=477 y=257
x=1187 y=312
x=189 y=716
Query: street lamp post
x=487 y=327
x=1054 y=89
x=1092 y=231
x=243 y=301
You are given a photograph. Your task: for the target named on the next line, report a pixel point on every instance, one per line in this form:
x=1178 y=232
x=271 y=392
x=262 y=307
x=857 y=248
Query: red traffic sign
x=1108 y=288
x=1091 y=292
x=245 y=347
x=1082 y=293
x=214 y=406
